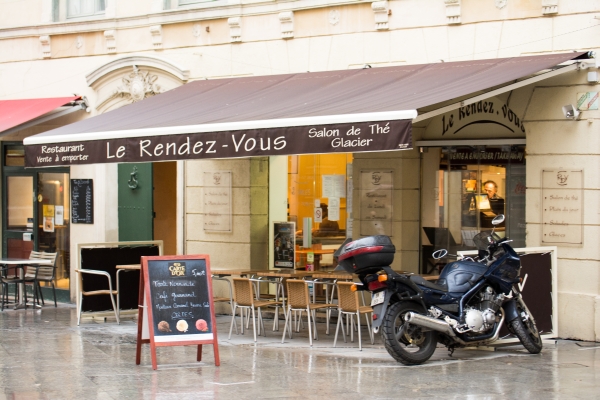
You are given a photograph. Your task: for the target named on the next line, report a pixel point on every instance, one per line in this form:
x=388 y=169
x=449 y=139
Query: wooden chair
x=244 y=299
x=41 y=273
x=349 y=306
x=82 y=292
x=298 y=299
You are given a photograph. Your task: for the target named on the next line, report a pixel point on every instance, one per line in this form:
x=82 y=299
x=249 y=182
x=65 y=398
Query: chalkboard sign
x=178 y=304
x=82 y=201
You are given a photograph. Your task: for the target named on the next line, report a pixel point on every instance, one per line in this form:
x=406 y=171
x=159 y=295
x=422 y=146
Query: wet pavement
x=45 y=355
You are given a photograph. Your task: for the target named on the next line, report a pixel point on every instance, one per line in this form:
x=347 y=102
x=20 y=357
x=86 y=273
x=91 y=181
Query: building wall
x=554 y=142
x=325 y=36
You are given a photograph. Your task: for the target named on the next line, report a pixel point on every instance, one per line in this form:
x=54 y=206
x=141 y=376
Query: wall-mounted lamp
x=570 y=112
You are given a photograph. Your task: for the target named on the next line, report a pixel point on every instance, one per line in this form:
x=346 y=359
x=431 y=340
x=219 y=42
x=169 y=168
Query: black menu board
x=82 y=201
x=180 y=301
x=178 y=307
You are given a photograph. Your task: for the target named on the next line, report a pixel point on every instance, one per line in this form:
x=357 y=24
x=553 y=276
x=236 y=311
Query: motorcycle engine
x=481 y=316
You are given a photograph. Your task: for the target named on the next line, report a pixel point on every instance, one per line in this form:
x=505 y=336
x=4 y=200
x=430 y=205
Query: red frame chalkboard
x=145 y=312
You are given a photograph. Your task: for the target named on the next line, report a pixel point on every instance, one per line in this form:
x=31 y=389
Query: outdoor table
x=229 y=272
x=329 y=279
x=318 y=253
x=20 y=264
x=124 y=268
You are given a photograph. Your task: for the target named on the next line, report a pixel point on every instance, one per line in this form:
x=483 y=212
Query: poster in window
x=284 y=244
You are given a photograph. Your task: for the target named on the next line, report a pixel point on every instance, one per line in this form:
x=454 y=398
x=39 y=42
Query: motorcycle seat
x=440 y=285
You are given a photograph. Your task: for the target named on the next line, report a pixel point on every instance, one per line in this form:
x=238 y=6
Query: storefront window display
x=463 y=189
x=317 y=189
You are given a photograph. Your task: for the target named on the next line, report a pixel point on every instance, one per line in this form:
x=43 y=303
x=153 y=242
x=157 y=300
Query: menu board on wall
x=82 y=201
x=376 y=202
x=562 y=206
x=217 y=201
x=178 y=304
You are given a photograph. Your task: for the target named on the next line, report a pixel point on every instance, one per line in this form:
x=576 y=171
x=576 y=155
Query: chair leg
x=285 y=326
x=314 y=318
x=80 y=306
x=337 y=329
x=310 y=339
x=112 y=299
x=233 y=318
x=358 y=326
x=232 y=321
x=254 y=323
x=54 y=293
x=371 y=335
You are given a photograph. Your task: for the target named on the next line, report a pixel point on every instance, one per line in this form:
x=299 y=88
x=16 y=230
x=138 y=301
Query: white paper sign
x=318 y=214
x=334 y=209
x=334 y=186
x=59 y=215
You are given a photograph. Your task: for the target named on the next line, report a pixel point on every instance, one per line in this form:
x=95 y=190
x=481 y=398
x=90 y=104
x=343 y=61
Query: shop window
x=186 y=2
x=85 y=8
x=464 y=188
x=320 y=182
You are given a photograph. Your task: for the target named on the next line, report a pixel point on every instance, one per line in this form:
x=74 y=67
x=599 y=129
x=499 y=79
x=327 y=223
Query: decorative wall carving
x=549 y=7
x=286 y=19
x=197 y=30
x=111 y=41
x=235 y=29
x=46 y=50
x=452 y=11
x=334 y=17
x=138 y=85
x=380 y=9
x=156 y=32
x=107 y=79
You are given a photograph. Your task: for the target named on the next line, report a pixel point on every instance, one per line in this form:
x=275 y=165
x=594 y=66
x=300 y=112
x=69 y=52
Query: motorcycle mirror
x=498 y=219
x=439 y=254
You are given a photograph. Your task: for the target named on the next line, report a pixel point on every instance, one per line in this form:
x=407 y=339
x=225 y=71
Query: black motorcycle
x=466 y=306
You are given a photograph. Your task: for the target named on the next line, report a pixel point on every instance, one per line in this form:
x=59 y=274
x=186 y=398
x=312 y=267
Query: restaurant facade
x=260 y=125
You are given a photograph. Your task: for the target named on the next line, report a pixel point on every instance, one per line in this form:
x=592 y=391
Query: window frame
x=97 y=10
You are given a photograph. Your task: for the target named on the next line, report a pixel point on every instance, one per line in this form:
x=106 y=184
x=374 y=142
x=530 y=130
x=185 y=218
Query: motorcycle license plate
x=377 y=298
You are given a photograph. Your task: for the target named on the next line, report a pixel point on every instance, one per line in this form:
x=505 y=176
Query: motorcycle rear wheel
x=526 y=330
x=408 y=344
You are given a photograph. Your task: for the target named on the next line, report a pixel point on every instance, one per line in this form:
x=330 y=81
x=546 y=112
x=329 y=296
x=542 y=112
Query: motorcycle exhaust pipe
x=430 y=323
x=444 y=327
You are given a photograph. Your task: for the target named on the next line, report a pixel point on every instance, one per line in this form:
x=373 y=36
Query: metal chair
x=110 y=291
x=349 y=306
x=299 y=300
x=244 y=299
x=10 y=276
x=229 y=299
x=41 y=273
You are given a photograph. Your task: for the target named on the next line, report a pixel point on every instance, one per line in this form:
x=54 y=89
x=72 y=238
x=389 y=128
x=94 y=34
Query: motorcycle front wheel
x=408 y=344
x=526 y=330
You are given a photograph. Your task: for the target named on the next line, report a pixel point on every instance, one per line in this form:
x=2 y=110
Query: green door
x=136 y=214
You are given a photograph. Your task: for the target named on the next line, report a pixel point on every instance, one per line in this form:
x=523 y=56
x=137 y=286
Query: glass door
x=53 y=205
x=18 y=235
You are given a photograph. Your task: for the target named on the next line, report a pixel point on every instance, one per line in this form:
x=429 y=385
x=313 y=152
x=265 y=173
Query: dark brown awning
x=317 y=112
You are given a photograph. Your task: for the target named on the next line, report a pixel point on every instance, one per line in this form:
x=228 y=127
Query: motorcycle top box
x=365 y=253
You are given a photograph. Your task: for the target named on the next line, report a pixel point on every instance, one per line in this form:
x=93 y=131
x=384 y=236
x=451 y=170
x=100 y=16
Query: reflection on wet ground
x=45 y=355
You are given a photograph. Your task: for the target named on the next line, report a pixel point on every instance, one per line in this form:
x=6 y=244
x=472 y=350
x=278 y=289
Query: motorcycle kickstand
x=450 y=351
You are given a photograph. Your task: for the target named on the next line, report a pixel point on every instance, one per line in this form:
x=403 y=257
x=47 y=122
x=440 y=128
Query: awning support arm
x=496 y=92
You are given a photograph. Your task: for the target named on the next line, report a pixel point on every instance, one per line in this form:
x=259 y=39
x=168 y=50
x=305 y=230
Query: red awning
x=17 y=112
